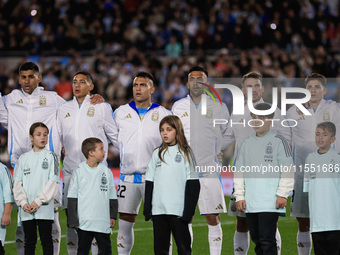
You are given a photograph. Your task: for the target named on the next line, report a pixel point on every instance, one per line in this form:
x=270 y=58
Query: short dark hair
x=262 y=107
x=35 y=125
x=253 y=75
x=29 y=66
x=88 y=145
x=146 y=75
x=87 y=74
x=198 y=69
x=329 y=126
x=318 y=77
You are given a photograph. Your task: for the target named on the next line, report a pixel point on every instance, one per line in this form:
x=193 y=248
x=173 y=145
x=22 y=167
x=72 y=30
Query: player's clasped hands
x=33 y=208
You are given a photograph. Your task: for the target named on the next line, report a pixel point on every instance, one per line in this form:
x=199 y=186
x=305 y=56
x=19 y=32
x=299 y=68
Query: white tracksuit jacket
x=203 y=137
x=137 y=138
x=24 y=110
x=75 y=124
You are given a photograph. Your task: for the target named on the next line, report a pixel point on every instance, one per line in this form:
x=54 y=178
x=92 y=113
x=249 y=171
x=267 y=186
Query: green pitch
x=144 y=235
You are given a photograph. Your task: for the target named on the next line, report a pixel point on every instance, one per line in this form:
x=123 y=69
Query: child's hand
x=27 y=208
x=112 y=223
x=34 y=207
x=6 y=220
x=281 y=202
x=241 y=205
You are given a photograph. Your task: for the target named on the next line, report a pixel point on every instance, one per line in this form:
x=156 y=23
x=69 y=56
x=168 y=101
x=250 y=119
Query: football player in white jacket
x=204 y=139
x=138 y=135
x=303 y=138
x=78 y=120
x=25 y=107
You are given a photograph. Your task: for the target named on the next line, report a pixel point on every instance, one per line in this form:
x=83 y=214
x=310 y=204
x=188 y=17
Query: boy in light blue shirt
x=92 y=199
x=322 y=182
x=263 y=181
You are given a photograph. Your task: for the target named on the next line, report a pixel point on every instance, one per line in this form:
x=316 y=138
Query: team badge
x=269 y=148
x=155 y=116
x=104 y=179
x=90 y=111
x=42 y=101
x=44 y=164
x=326 y=116
x=209 y=113
x=178 y=158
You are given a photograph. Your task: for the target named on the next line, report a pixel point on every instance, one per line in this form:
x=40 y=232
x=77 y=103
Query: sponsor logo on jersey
x=67 y=115
x=209 y=114
x=159 y=163
x=128 y=116
x=42 y=100
x=326 y=116
x=178 y=158
x=90 y=111
x=185 y=115
x=20 y=101
x=155 y=116
x=27 y=171
x=302 y=118
x=241 y=121
x=44 y=164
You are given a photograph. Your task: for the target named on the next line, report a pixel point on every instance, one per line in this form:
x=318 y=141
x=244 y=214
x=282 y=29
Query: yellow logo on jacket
x=90 y=111
x=42 y=101
x=155 y=116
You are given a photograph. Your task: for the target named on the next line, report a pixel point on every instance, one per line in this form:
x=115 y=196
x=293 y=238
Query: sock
x=304 y=243
x=20 y=240
x=125 y=237
x=278 y=241
x=191 y=233
x=71 y=241
x=56 y=234
x=94 y=247
x=170 y=247
x=215 y=239
x=241 y=243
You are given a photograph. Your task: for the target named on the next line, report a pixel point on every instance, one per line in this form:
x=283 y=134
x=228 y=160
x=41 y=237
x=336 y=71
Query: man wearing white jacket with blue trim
x=25 y=107
x=138 y=135
x=204 y=138
x=78 y=120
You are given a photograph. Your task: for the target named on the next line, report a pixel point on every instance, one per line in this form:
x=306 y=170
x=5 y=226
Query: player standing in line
x=304 y=143
x=263 y=194
x=204 y=139
x=137 y=124
x=98 y=193
x=322 y=182
x=24 y=107
x=36 y=183
x=237 y=133
x=77 y=120
x=171 y=188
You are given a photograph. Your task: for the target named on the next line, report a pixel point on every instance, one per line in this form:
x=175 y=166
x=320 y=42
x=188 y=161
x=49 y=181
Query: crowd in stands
x=280 y=39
